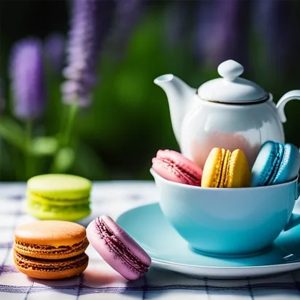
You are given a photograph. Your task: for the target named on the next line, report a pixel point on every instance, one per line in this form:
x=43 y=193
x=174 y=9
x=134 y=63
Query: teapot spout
x=180 y=97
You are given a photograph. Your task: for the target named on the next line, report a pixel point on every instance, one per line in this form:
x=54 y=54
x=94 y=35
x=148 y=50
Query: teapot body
x=212 y=124
x=229 y=112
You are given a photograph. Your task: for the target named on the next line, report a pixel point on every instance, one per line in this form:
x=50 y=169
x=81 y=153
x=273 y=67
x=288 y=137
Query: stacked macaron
x=58 y=197
x=275 y=163
x=55 y=249
x=50 y=249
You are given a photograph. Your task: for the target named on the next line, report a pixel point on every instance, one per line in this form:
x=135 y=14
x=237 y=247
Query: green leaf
x=44 y=146
x=12 y=132
x=63 y=160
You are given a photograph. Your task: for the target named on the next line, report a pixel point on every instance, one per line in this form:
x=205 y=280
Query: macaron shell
x=109 y=256
x=51 y=269
x=212 y=169
x=263 y=168
x=59 y=186
x=173 y=166
x=53 y=233
x=289 y=166
x=58 y=197
x=238 y=174
x=68 y=212
x=127 y=240
x=56 y=201
x=275 y=163
x=113 y=258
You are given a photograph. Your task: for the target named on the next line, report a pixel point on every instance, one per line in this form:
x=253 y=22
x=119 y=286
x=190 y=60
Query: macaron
x=58 y=197
x=173 y=166
x=50 y=249
x=117 y=248
x=226 y=169
x=275 y=163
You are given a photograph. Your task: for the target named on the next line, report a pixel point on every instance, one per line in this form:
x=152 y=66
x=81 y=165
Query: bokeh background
x=128 y=119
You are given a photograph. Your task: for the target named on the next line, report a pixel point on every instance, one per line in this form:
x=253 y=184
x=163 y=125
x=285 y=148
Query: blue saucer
x=147 y=225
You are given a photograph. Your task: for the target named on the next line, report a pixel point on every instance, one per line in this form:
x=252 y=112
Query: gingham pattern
x=99 y=281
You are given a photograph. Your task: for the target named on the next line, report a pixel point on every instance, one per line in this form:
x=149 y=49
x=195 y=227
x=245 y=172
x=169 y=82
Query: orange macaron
x=50 y=249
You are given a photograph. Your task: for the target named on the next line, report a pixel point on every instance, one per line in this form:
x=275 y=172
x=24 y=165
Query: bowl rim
x=194 y=187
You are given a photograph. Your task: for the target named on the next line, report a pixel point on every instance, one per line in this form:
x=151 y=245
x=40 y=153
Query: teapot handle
x=291 y=95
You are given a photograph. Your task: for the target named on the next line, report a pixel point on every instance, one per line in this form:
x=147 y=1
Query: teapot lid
x=231 y=88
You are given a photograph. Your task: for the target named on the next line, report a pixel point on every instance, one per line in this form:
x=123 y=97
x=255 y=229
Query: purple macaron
x=117 y=248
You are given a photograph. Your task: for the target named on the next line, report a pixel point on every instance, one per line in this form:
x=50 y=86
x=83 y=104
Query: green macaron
x=58 y=197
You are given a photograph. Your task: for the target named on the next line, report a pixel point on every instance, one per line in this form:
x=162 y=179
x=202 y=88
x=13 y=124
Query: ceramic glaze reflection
x=225 y=126
x=227 y=221
x=229 y=112
x=156 y=235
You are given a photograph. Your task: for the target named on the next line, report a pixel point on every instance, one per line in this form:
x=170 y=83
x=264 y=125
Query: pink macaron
x=173 y=166
x=117 y=248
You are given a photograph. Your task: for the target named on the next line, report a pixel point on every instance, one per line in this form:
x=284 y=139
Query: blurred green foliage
x=129 y=120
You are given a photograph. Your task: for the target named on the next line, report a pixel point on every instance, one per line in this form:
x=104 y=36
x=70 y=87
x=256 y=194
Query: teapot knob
x=230 y=69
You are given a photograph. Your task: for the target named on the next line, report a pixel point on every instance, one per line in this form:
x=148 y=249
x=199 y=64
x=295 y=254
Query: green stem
x=67 y=130
x=66 y=133
x=28 y=160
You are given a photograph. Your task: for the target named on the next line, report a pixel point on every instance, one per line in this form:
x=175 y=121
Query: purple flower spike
x=222 y=30
x=88 y=27
x=54 y=47
x=178 y=22
x=126 y=17
x=27 y=76
x=277 y=23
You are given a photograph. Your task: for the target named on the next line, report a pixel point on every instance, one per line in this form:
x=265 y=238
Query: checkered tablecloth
x=99 y=281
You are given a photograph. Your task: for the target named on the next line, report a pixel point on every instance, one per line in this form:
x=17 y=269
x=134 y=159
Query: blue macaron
x=275 y=163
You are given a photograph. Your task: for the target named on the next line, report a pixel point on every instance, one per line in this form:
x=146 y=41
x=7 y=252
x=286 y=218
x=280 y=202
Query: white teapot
x=229 y=112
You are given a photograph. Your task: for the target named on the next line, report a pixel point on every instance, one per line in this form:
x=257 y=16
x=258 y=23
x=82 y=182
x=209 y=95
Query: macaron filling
x=178 y=170
x=26 y=262
x=56 y=200
x=43 y=250
x=58 y=208
x=222 y=181
x=117 y=246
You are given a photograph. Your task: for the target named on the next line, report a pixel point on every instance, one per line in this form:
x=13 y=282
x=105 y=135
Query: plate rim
x=164 y=262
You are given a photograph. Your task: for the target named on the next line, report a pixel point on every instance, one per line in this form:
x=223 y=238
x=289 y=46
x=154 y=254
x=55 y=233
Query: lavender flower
x=277 y=22
x=54 y=48
x=27 y=76
x=222 y=30
x=88 y=29
x=126 y=17
x=179 y=20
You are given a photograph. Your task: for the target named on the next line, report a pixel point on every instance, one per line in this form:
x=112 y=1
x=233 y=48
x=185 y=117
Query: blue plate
x=147 y=225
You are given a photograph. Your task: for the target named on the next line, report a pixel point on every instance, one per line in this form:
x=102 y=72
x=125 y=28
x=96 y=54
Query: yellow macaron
x=226 y=169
